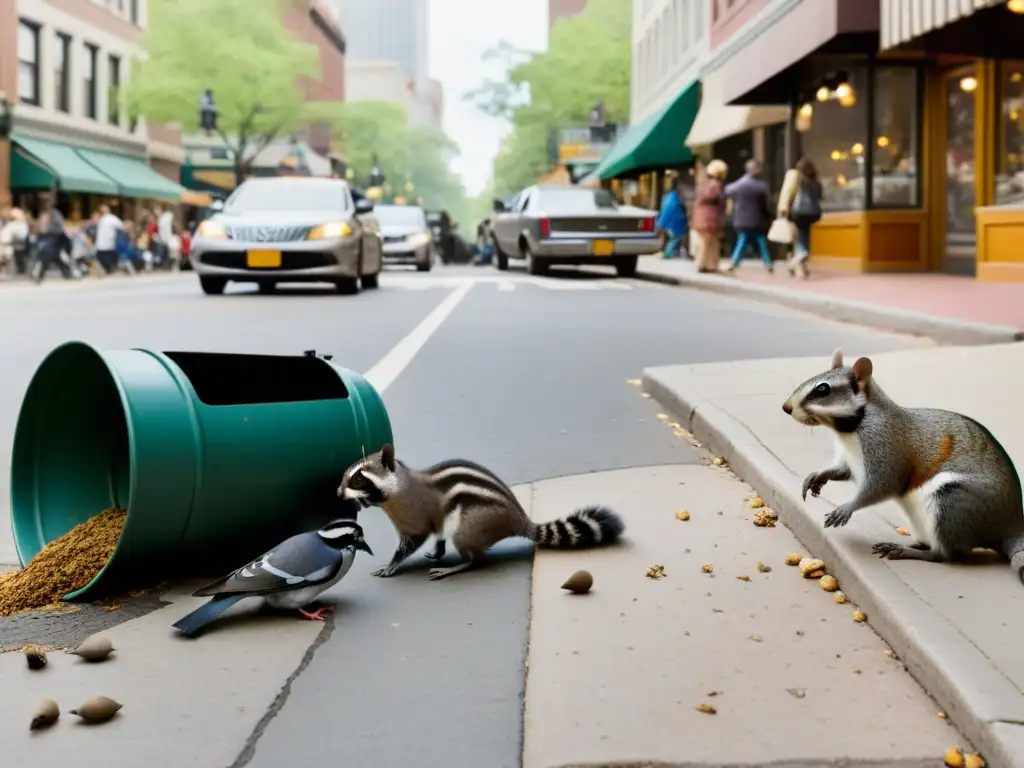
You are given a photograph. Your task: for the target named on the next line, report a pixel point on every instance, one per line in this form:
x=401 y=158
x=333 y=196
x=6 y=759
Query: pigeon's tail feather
x=204 y=614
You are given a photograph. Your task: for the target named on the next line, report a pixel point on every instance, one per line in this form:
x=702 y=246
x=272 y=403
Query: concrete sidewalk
x=957 y=628
x=952 y=310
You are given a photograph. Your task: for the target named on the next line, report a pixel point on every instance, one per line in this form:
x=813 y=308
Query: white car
x=406 y=234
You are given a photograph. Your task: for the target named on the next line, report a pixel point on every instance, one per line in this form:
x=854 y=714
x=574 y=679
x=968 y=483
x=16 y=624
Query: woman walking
x=800 y=202
x=709 y=216
x=672 y=219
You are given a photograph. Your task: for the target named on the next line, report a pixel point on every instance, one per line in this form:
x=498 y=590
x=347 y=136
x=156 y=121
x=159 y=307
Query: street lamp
x=376 y=177
x=208 y=112
x=6 y=116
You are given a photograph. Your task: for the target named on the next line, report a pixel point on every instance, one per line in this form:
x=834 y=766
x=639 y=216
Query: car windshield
x=575 y=200
x=400 y=216
x=289 y=195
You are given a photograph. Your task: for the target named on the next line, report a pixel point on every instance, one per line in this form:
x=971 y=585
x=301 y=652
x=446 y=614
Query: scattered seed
x=655 y=572
x=755 y=638
x=762 y=568
x=707 y=709
x=743 y=578
x=859 y=617
x=756 y=502
x=796 y=693
x=890 y=653
x=974 y=761
x=682 y=514
x=765 y=518
x=839 y=597
x=714 y=693
x=902 y=531
x=707 y=568
x=718 y=461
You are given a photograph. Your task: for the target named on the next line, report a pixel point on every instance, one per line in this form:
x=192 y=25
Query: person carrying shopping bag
x=800 y=203
x=672 y=219
x=709 y=216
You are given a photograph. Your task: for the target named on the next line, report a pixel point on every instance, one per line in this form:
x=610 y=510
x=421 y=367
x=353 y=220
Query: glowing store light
x=968 y=84
x=844 y=91
x=857 y=149
x=807 y=110
x=823 y=94
x=882 y=141
x=1015 y=6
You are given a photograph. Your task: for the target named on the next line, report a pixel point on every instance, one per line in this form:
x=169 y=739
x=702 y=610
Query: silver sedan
x=288 y=230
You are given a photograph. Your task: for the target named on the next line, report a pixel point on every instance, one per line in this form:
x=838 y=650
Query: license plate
x=604 y=247
x=264 y=259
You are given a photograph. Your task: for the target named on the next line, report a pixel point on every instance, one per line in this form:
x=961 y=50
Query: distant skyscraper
x=387 y=30
x=560 y=9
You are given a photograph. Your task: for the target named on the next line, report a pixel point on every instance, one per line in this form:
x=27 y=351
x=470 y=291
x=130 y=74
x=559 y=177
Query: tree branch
x=267 y=137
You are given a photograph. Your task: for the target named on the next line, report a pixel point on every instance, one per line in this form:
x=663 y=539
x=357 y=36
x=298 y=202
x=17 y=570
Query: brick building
x=313 y=22
x=61 y=62
x=560 y=9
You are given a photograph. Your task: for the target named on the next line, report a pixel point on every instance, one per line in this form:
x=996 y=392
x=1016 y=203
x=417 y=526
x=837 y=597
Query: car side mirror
x=499 y=207
x=364 y=205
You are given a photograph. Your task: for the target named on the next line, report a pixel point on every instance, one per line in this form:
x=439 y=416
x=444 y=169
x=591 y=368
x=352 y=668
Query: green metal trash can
x=216 y=457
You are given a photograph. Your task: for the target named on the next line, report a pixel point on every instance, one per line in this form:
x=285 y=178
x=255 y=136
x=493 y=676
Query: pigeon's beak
x=361 y=544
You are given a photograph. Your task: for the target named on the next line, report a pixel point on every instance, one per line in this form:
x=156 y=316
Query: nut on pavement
x=973 y=761
x=707 y=568
x=655 y=572
x=579 y=583
x=794 y=558
x=839 y=597
x=682 y=514
x=829 y=583
x=756 y=502
x=35 y=656
x=718 y=461
x=707 y=709
x=94 y=648
x=859 y=617
x=954 y=758
x=97 y=710
x=811 y=568
x=46 y=714
x=765 y=518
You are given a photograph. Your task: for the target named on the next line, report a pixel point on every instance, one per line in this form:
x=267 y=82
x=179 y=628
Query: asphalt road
x=527 y=375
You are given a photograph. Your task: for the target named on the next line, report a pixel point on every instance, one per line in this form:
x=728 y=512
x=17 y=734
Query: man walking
x=750 y=196
x=52 y=236
x=107 y=228
x=165 y=234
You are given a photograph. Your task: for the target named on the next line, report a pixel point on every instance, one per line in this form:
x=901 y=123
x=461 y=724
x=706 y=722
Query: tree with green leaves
x=588 y=60
x=242 y=52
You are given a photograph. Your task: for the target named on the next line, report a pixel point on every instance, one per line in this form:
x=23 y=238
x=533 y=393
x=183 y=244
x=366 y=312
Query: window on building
x=133 y=10
x=833 y=134
x=1009 y=177
x=62 y=72
x=114 y=89
x=895 y=138
x=28 y=63
x=91 y=94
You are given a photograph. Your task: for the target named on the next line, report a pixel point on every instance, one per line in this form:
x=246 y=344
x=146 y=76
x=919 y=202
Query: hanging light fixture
x=823 y=94
x=1015 y=6
x=807 y=110
x=968 y=84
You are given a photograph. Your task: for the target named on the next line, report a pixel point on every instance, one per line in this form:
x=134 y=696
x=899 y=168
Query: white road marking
x=506 y=285
x=388 y=368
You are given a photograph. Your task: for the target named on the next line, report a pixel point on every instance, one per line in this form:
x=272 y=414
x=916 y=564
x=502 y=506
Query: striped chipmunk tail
x=1015 y=551
x=594 y=526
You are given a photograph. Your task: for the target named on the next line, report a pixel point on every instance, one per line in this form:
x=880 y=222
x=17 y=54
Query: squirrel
x=954 y=480
x=466 y=502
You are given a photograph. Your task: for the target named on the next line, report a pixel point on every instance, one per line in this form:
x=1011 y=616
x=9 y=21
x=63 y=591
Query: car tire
x=424 y=266
x=500 y=258
x=267 y=286
x=347 y=286
x=213 y=286
x=370 y=281
x=534 y=266
x=626 y=267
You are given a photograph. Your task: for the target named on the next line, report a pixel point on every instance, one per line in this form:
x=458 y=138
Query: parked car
x=287 y=230
x=406 y=235
x=548 y=225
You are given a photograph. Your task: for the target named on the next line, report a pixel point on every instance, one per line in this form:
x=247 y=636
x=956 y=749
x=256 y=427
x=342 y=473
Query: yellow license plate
x=604 y=247
x=264 y=259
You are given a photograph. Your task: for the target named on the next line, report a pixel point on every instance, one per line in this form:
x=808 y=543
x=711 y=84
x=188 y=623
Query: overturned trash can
x=215 y=457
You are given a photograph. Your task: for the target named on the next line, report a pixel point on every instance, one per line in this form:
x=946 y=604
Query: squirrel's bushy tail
x=587 y=527
x=1015 y=551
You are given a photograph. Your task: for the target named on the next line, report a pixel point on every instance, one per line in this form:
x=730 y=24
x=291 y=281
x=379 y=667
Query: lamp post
x=208 y=112
x=376 y=177
x=6 y=116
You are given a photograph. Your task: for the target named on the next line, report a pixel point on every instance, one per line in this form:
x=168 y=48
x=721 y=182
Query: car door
x=373 y=255
x=502 y=226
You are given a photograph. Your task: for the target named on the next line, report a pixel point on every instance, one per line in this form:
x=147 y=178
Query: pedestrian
x=800 y=202
x=107 y=227
x=672 y=219
x=709 y=217
x=164 y=236
x=51 y=239
x=750 y=215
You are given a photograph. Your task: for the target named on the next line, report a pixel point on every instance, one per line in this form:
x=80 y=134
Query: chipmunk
x=953 y=479
x=466 y=502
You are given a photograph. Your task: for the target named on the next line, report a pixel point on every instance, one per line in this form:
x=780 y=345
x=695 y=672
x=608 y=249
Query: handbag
x=782 y=231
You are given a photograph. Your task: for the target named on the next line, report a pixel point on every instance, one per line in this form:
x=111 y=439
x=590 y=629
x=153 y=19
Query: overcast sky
x=460 y=32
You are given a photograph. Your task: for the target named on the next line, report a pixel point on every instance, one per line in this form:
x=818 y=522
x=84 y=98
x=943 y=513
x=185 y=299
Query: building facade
x=314 y=22
x=388 y=30
x=562 y=9
x=378 y=81
x=62 y=63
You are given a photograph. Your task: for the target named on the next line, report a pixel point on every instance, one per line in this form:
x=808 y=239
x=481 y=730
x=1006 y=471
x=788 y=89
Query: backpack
x=807 y=203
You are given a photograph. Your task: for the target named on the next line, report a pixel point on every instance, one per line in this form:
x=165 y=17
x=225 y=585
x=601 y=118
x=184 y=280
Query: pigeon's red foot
x=317 y=615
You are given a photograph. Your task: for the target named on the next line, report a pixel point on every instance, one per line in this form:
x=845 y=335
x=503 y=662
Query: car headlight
x=211 y=228
x=330 y=230
x=420 y=238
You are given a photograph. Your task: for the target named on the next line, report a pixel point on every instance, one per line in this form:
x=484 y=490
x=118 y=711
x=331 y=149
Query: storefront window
x=894 y=135
x=1010 y=155
x=833 y=131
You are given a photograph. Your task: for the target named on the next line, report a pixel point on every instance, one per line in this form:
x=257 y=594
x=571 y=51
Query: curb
x=941 y=329
x=946 y=664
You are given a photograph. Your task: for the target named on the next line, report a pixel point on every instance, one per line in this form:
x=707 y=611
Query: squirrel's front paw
x=839 y=516
x=814 y=482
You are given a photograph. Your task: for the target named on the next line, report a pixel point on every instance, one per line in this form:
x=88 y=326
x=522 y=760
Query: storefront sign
x=585 y=144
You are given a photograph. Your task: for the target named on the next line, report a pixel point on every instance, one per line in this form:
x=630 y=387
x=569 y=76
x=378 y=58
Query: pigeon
x=290 y=576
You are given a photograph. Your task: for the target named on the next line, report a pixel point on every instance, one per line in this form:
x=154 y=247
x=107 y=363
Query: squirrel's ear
x=862 y=370
x=837 y=359
x=387 y=457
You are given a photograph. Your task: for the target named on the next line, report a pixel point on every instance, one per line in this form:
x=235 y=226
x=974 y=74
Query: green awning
x=37 y=164
x=657 y=142
x=133 y=176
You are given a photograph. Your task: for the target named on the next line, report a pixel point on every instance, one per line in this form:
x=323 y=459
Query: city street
x=530 y=376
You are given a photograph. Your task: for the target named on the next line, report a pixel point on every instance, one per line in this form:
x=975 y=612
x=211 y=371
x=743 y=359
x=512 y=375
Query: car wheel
x=626 y=267
x=267 y=286
x=500 y=259
x=213 y=286
x=370 y=281
x=424 y=266
x=534 y=265
x=347 y=286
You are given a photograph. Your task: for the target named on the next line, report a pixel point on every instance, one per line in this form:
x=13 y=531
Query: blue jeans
x=746 y=238
x=673 y=244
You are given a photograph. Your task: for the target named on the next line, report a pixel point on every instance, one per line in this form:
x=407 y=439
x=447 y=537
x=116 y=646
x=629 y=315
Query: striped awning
x=903 y=20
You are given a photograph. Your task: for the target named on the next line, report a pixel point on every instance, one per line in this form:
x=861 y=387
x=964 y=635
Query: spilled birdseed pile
x=63 y=565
